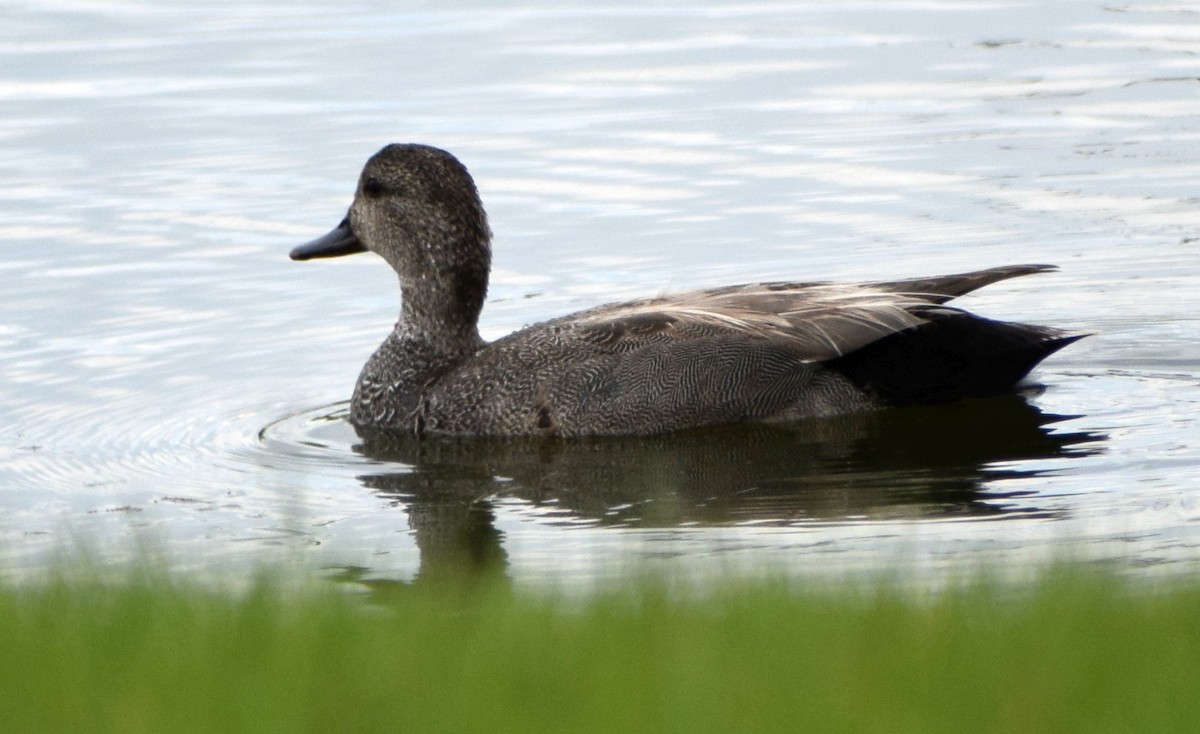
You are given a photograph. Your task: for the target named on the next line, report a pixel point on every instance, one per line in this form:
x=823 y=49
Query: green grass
x=1074 y=653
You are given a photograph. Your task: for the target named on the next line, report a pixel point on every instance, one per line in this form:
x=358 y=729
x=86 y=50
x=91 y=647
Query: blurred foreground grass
x=1073 y=653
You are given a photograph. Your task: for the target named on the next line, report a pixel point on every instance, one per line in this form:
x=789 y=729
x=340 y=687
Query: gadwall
x=759 y=352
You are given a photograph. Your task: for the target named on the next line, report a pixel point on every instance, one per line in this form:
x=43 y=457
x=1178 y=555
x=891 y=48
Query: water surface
x=168 y=378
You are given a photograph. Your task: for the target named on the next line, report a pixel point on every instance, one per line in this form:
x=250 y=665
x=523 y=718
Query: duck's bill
x=341 y=241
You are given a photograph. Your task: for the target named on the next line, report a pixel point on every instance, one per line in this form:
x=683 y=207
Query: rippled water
x=169 y=379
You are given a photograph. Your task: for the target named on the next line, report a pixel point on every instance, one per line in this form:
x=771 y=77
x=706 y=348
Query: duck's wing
x=820 y=320
x=942 y=288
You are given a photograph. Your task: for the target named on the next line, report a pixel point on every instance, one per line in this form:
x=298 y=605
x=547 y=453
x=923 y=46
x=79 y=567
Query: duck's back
x=773 y=351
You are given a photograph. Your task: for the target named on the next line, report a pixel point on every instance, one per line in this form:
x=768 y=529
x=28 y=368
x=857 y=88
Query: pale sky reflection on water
x=169 y=378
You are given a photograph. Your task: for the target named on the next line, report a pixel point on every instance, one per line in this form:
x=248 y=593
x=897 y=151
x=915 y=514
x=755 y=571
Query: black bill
x=341 y=241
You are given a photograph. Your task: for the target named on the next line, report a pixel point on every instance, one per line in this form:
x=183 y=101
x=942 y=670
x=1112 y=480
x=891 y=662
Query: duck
x=771 y=352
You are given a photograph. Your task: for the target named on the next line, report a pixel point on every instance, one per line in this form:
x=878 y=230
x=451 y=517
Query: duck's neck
x=438 y=327
x=432 y=338
x=444 y=312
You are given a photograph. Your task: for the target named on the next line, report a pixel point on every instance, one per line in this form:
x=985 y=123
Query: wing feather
x=820 y=320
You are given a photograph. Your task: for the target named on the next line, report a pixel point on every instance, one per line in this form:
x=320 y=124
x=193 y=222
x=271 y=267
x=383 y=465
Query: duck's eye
x=373 y=188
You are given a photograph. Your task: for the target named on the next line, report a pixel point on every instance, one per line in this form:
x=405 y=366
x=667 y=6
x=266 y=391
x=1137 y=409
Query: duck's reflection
x=926 y=462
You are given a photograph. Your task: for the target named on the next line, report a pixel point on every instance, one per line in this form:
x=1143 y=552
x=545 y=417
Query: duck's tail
x=954 y=356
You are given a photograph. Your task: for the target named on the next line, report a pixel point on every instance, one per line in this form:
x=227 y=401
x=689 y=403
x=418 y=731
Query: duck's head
x=417 y=207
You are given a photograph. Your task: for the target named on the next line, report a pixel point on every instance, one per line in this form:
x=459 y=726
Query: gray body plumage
x=771 y=351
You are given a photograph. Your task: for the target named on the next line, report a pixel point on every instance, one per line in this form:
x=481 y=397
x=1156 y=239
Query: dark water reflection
x=919 y=463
